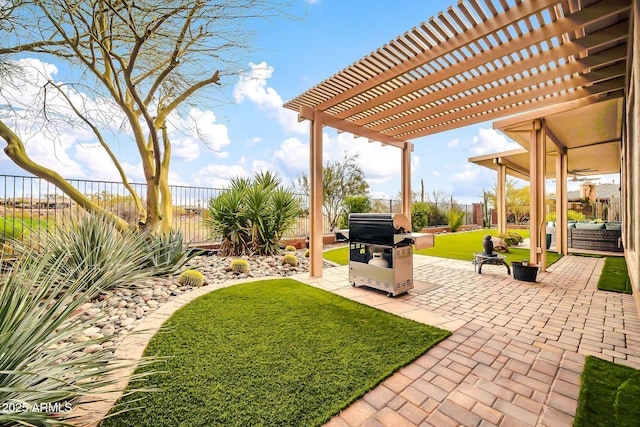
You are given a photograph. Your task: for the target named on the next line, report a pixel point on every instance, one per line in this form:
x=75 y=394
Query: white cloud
x=199 y=126
x=490 y=141
x=453 y=143
x=292 y=157
x=468 y=174
x=435 y=173
x=252 y=86
x=218 y=176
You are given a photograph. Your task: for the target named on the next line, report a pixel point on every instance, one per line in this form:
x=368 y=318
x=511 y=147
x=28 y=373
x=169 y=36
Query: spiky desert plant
x=166 y=252
x=191 y=278
x=290 y=259
x=307 y=253
x=290 y=248
x=240 y=266
x=252 y=215
x=42 y=363
x=93 y=245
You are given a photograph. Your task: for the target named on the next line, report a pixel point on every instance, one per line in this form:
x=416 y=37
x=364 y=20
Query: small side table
x=480 y=259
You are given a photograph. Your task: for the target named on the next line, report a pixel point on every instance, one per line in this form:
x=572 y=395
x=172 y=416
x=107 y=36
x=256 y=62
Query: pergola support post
x=537 y=215
x=315 y=196
x=501 y=199
x=562 y=223
x=406 y=179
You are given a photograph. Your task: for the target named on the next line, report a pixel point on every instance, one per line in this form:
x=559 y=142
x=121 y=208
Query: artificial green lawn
x=454 y=246
x=614 y=276
x=609 y=395
x=274 y=352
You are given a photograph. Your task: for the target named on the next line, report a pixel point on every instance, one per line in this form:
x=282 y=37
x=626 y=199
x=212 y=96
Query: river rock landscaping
x=118 y=311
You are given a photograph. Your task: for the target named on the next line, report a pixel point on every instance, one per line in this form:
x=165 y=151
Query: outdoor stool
x=480 y=259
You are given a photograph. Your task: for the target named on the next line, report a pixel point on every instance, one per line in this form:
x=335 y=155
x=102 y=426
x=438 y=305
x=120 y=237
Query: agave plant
x=165 y=252
x=43 y=370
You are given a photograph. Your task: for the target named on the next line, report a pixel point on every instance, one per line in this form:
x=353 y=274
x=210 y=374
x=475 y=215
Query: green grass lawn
x=609 y=395
x=615 y=276
x=271 y=353
x=454 y=246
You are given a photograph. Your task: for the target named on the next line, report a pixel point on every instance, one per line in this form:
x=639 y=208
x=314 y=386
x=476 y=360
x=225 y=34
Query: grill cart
x=381 y=251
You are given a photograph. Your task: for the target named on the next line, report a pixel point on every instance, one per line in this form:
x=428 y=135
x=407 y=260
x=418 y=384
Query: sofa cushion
x=613 y=226
x=587 y=226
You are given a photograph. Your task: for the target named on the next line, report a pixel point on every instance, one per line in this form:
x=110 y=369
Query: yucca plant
x=252 y=216
x=38 y=363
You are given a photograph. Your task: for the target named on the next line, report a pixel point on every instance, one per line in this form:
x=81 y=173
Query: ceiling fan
x=579 y=173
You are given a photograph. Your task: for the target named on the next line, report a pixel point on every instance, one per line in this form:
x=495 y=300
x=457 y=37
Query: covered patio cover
x=475 y=62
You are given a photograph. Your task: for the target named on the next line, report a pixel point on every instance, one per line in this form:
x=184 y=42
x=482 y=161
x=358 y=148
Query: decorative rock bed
x=121 y=309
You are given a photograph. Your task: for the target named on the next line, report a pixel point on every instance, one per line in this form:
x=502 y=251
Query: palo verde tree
x=340 y=178
x=135 y=65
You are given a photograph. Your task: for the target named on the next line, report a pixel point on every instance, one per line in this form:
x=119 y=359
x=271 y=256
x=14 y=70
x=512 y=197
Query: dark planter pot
x=526 y=273
x=548 y=240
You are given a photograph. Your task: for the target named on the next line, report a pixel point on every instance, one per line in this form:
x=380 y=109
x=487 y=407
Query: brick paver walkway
x=517 y=350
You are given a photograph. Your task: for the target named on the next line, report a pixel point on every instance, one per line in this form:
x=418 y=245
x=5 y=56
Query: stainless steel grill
x=381 y=251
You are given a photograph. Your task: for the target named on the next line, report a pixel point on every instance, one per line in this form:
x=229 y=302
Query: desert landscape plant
x=43 y=365
x=252 y=215
x=191 y=278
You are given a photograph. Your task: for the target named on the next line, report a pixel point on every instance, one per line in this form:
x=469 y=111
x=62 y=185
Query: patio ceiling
x=481 y=61
x=590 y=134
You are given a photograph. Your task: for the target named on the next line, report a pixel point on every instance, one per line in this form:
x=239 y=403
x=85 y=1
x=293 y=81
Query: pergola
x=550 y=60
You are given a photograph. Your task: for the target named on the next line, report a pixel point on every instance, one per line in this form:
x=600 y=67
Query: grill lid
x=378 y=228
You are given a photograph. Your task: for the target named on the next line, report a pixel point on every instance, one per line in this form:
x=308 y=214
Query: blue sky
x=248 y=130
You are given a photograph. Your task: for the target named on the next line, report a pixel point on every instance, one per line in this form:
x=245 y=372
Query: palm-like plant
x=252 y=216
x=38 y=363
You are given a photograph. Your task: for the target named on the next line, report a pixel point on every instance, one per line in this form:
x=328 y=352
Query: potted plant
x=524 y=271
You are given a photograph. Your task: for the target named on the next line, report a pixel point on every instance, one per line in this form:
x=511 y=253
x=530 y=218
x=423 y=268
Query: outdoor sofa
x=594 y=236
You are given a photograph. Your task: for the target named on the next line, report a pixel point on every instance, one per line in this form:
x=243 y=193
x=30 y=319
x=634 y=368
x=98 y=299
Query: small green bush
x=307 y=253
x=290 y=248
x=455 y=219
x=191 y=278
x=419 y=216
x=353 y=204
x=511 y=238
x=240 y=266
x=290 y=259
x=571 y=216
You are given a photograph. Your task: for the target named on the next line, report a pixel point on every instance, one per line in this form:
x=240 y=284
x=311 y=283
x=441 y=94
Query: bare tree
x=141 y=60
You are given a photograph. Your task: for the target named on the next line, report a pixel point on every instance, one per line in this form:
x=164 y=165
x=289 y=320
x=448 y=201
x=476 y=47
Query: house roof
x=603 y=192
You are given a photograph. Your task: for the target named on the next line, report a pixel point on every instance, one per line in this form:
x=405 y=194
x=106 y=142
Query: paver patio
x=517 y=350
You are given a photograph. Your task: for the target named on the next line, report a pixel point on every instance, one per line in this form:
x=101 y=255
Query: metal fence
x=31 y=205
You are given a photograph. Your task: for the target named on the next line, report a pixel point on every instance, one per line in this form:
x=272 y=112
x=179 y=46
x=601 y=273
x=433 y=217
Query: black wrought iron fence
x=30 y=205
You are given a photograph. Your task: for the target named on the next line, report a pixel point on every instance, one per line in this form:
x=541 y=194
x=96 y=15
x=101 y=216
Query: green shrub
x=419 y=216
x=252 y=215
x=353 y=204
x=290 y=248
x=240 y=266
x=38 y=298
x=307 y=253
x=511 y=238
x=290 y=259
x=572 y=215
x=455 y=219
x=191 y=278
x=166 y=252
